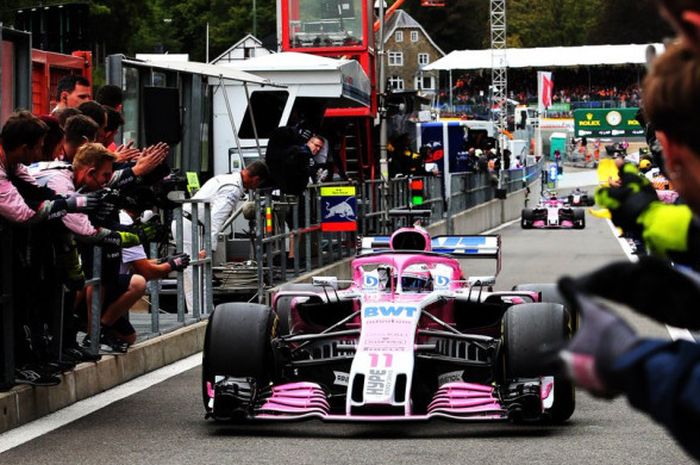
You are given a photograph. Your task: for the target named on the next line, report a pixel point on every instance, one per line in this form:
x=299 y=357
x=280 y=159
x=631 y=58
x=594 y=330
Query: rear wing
x=488 y=247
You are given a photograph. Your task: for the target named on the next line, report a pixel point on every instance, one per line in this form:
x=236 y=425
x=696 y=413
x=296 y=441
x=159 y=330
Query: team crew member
x=660 y=378
x=71 y=91
x=21 y=140
x=225 y=191
x=671 y=231
x=91 y=174
x=92 y=170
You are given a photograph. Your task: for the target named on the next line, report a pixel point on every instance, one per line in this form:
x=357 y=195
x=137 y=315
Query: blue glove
x=83 y=203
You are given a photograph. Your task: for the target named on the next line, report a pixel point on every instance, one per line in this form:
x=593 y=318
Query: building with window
x=245 y=49
x=409 y=48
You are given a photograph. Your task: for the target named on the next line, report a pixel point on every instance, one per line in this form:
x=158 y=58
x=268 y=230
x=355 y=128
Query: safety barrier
x=160 y=321
x=55 y=312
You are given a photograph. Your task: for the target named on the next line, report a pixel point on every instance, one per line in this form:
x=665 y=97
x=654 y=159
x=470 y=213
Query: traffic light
x=416 y=191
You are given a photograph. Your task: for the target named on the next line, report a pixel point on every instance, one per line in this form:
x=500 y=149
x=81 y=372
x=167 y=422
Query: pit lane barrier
x=164 y=340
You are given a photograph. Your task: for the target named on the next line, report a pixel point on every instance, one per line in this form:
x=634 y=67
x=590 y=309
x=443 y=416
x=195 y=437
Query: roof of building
x=233 y=47
x=402 y=20
x=549 y=57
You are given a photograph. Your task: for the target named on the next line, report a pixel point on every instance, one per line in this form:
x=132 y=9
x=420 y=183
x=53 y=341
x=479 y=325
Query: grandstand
x=592 y=76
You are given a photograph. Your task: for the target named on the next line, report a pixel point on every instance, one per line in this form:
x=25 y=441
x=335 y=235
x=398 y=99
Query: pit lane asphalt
x=164 y=424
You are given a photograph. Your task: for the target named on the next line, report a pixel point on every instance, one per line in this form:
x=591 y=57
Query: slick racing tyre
x=237 y=344
x=579 y=219
x=527 y=217
x=533 y=334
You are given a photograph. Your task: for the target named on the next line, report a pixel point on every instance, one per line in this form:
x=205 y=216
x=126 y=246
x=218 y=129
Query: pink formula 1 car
x=410 y=337
x=553 y=213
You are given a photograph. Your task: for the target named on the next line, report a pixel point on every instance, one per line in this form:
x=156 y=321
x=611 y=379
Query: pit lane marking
x=503 y=226
x=25 y=433
x=676 y=333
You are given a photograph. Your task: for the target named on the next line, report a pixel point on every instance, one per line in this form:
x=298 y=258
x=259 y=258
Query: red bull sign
x=338 y=209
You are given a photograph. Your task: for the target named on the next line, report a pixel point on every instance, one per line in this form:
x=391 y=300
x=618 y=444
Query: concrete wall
x=23 y=403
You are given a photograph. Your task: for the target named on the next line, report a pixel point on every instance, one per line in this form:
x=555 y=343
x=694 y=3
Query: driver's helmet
x=552 y=195
x=416 y=281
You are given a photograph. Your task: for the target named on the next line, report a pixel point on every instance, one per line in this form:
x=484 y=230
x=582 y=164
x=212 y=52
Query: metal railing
x=201 y=267
x=288 y=244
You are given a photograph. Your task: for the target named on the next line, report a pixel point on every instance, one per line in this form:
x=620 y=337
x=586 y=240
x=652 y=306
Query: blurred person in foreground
x=606 y=356
x=668 y=231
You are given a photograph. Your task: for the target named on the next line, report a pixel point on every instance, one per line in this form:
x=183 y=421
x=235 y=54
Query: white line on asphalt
x=626 y=247
x=503 y=226
x=44 y=425
x=676 y=333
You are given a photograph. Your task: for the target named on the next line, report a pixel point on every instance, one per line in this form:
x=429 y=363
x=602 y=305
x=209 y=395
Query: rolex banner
x=609 y=122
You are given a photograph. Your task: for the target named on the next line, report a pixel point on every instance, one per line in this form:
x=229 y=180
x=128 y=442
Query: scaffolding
x=499 y=71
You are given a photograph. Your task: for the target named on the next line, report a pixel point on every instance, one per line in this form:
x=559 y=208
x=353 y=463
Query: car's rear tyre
x=579 y=219
x=531 y=332
x=237 y=344
x=283 y=305
x=527 y=217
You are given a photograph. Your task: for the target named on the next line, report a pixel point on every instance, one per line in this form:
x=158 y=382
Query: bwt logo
x=442 y=281
x=371 y=281
x=390 y=310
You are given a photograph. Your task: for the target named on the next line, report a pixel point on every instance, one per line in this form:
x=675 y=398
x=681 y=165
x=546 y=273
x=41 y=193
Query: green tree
x=629 y=22
x=550 y=23
x=462 y=24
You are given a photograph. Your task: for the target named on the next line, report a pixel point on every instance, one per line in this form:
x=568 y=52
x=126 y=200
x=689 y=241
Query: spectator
x=71 y=91
x=225 y=192
x=684 y=16
x=483 y=161
x=135 y=259
x=23 y=201
x=316 y=146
